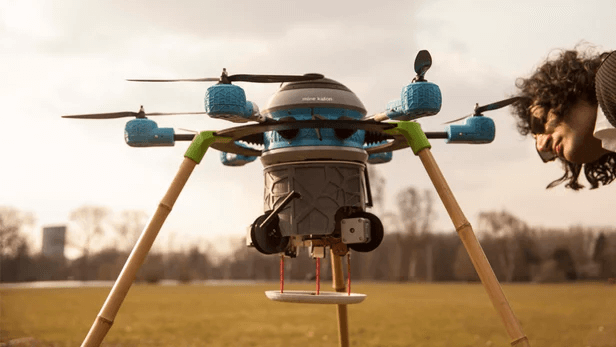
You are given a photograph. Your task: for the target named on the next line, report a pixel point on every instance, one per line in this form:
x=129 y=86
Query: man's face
x=571 y=137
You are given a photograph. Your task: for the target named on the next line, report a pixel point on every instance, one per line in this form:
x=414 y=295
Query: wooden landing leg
x=110 y=308
x=338 y=284
x=475 y=252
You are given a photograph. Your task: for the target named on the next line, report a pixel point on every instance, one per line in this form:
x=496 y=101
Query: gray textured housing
x=324 y=186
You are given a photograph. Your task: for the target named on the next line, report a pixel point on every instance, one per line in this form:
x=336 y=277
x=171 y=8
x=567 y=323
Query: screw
x=352 y=230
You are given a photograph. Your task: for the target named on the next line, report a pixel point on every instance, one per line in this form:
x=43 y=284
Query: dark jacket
x=605 y=87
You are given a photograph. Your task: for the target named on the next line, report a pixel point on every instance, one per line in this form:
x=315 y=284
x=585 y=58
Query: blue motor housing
x=232 y=159
x=420 y=99
x=476 y=129
x=142 y=132
x=228 y=102
x=379 y=158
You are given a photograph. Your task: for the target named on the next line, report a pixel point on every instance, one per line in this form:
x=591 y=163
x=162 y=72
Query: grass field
x=392 y=315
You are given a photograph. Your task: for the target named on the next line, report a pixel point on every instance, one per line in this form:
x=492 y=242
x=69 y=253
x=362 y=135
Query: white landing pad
x=311 y=297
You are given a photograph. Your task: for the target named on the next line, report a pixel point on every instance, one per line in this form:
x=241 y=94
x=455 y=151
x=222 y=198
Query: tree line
x=410 y=251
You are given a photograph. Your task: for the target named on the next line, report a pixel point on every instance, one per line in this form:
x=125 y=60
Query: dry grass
x=392 y=315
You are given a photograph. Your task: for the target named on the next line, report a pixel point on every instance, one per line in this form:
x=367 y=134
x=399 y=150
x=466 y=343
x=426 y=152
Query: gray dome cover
x=318 y=93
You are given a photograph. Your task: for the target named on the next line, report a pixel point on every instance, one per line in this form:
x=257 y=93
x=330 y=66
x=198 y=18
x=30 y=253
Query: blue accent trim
x=478 y=129
x=143 y=132
x=308 y=137
x=379 y=158
x=394 y=109
x=232 y=159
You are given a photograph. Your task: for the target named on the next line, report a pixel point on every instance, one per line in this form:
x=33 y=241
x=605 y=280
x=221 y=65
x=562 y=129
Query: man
x=569 y=106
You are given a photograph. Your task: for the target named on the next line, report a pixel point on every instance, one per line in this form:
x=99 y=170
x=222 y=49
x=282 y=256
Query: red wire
x=349 y=273
x=318 y=275
x=281 y=273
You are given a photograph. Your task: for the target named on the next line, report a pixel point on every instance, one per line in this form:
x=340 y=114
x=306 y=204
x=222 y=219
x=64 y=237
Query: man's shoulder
x=605 y=87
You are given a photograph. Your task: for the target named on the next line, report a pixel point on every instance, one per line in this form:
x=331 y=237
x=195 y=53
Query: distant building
x=53 y=241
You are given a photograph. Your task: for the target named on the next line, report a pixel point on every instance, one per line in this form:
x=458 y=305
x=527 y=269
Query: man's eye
x=537 y=126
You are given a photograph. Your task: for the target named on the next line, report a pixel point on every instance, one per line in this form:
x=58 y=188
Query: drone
x=315 y=139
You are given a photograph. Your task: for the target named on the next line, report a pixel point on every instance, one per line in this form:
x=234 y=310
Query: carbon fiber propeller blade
x=458 y=119
x=488 y=107
x=207 y=79
x=224 y=78
x=140 y=114
x=496 y=105
x=274 y=78
x=103 y=115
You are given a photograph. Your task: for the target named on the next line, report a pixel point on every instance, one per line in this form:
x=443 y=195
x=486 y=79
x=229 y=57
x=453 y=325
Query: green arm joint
x=413 y=134
x=201 y=143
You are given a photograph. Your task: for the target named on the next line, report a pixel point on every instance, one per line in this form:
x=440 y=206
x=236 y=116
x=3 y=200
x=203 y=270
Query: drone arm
x=386 y=115
x=201 y=143
x=183 y=137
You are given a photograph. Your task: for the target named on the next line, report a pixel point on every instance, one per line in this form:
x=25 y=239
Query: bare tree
x=416 y=210
x=198 y=263
x=14 y=257
x=88 y=228
x=463 y=268
x=12 y=222
x=511 y=238
x=601 y=256
x=129 y=226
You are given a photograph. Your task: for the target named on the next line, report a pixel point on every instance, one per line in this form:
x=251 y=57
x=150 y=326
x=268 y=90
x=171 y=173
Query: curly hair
x=556 y=86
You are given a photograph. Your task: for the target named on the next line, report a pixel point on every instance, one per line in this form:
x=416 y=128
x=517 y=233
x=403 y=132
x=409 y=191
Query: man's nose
x=544 y=142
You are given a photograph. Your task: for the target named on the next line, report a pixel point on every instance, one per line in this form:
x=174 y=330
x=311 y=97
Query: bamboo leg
x=110 y=308
x=475 y=252
x=338 y=284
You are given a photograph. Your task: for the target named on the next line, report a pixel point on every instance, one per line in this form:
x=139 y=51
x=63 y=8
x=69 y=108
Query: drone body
x=323 y=169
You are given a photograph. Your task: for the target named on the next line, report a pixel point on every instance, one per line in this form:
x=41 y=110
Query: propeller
x=489 y=107
x=423 y=62
x=140 y=114
x=226 y=79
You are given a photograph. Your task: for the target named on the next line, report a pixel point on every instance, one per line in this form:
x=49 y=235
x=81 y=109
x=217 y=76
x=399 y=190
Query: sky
x=73 y=57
